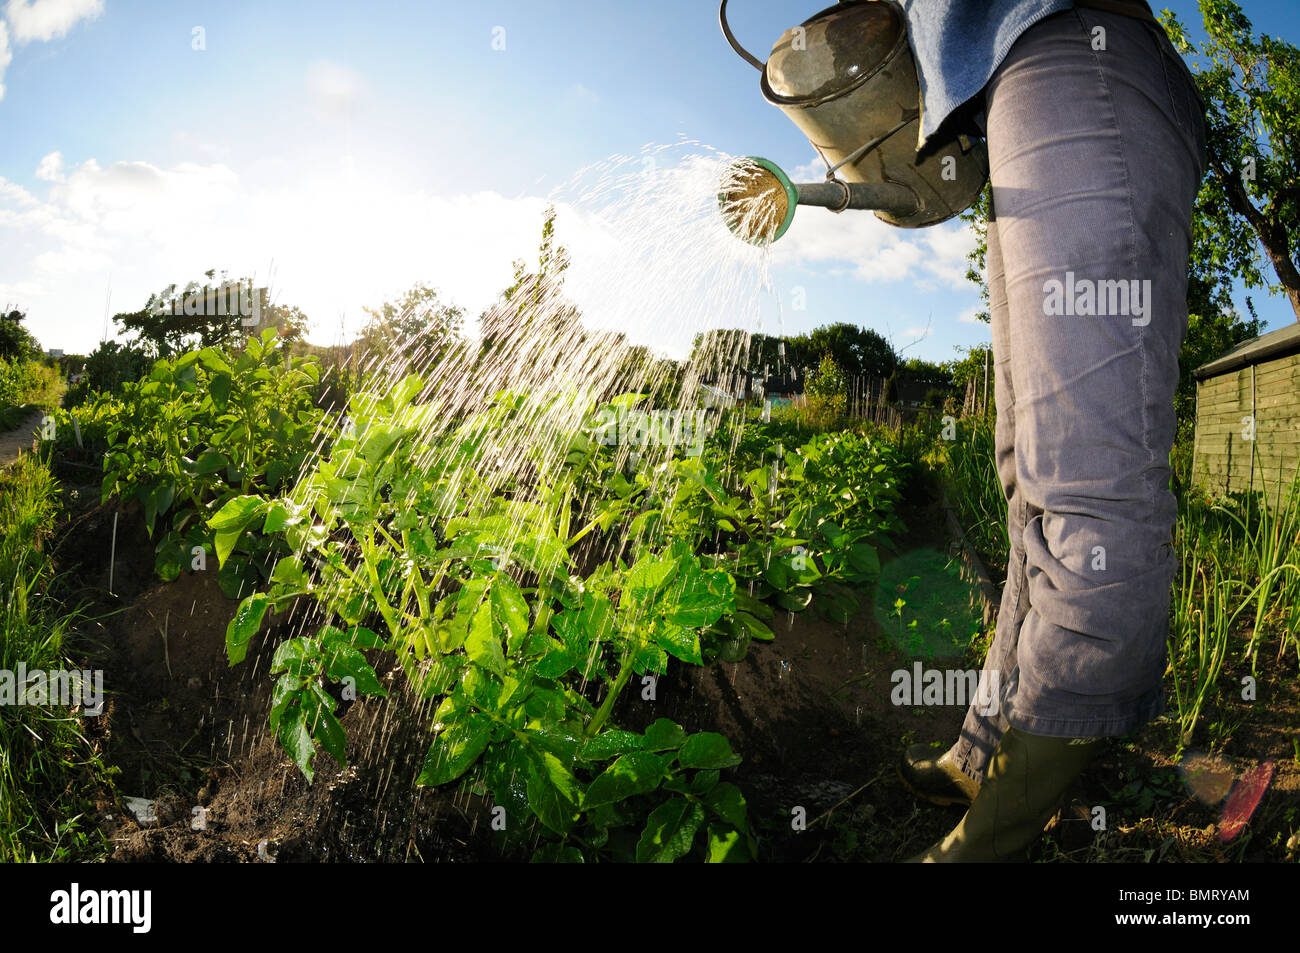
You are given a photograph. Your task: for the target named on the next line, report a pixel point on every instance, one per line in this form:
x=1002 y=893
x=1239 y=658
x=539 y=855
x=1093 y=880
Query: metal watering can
x=847 y=79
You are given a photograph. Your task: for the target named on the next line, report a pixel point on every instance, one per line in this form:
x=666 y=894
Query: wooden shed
x=1248 y=416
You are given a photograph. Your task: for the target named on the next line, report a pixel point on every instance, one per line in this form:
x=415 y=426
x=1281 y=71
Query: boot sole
x=937 y=799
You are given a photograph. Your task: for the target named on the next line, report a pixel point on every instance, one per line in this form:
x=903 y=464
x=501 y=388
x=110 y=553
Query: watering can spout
x=847 y=79
x=758 y=199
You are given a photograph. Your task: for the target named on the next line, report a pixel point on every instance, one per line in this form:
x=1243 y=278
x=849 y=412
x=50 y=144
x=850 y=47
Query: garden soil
x=810 y=713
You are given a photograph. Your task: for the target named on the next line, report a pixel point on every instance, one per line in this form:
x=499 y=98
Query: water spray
x=847 y=79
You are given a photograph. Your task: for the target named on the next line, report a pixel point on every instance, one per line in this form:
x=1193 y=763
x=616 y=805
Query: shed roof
x=1266 y=347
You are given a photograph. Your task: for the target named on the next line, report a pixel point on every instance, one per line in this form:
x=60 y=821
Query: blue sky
x=343 y=151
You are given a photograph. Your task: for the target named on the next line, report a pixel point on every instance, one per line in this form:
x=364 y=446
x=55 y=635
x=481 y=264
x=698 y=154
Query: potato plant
x=200 y=430
x=408 y=541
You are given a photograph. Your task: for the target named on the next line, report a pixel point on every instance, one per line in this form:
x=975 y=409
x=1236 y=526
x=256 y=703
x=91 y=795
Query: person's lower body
x=1096 y=150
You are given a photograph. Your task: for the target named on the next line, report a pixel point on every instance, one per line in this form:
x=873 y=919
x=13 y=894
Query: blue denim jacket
x=959 y=43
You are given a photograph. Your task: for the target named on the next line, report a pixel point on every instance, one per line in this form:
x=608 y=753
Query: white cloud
x=12 y=193
x=326 y=240
x=878 y=252
x=949 y=245
x=51 y=168
x=333 y=89
x=333 y=237
x=584 y=96
x=6 y=56
x=19 y=291
x=969 y=315
x=814 y=170
x=48 y=19
x=138 y=199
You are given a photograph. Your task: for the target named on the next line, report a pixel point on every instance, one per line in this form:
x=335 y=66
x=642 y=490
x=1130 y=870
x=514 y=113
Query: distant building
x=1248 y=415
x=55 y=352
x=711 y=396
x=783 y=388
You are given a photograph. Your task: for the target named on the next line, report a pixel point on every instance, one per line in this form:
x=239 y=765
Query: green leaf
x=555 y=853
x=777 y=575
x=292 y=654
x=755 y=607
x=680 y=642
x=219 y=387
x=379 y=442
x=648 y=575
x=357 y=637
x=167 y=563
x=704 y=781
x=864 y=558
x=612 y=743
x=707 y=749
x=185 y=361
x=209 y=462
x=231 y=520
x=329 y=732
x=726 y=801
x=482 y=643
x=637 y=772
x=670 y=831
x=455 y=749
x=559 y=740
x=238 y=511
x=664 y=735
x=727 y=846
x=509 y=610
x=288 y=571
x=698 y=598
x=755 y=628
x=279 y=516
x=163 y=497
x=650 y=658
x=506 y=776
x=552 y=791
x=546 y=704
x=276 y=471
x=238 y=577
x=287 y=689
x=556 y=661
x=794 y=601
x=247 y=620
x=296 y=739
x=343 y=661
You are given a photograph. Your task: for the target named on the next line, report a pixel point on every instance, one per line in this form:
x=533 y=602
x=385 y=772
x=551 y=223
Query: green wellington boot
x=936 y=777
x=1028 y=776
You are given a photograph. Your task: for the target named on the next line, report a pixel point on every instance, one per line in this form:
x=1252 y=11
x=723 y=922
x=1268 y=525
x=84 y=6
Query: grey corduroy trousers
x=1096 y=150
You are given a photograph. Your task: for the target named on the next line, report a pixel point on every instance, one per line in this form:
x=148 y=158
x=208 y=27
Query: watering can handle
x=744 y=54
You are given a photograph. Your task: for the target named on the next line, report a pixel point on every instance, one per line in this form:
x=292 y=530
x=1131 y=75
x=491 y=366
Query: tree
x=532 y=307
x=289 y=320
x=109 y=367
x=828 y=382
x=418 y=324
x=826 y=393
x=977 y=217
x=1251 y=194
x=859 y=352
x=216 y=313
x=730 y=357
x=16 y=342
x=1251 y=197
x=1208 y=336
x=969 y=371
x=923 y=382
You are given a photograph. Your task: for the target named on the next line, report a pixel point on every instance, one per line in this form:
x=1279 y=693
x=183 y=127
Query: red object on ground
x=1243 y=800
